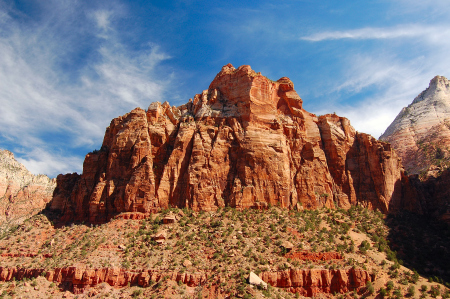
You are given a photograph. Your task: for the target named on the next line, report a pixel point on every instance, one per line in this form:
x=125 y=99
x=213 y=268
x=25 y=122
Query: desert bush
x=411 y=291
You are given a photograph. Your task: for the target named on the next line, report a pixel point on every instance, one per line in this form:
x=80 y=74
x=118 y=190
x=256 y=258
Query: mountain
x=420 y=134
x=239 y=193
x=22 y=194
x=245 y=142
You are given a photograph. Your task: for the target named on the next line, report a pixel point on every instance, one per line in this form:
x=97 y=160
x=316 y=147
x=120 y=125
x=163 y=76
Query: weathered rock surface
x=255 y=280
x=81 y=278
x=307 y=282
x=246 y=142
x=420 y=134
x=430 y=197
x=311 y=282
x=22 y=194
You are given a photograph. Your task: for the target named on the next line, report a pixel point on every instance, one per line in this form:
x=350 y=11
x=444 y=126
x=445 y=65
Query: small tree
x=411 y=291
x=389 y=285
x=435 y=291
x=370 y=288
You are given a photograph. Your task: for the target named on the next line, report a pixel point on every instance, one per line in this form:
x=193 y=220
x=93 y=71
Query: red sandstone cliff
x=246 y=142
x=308 y=282
x=22 y=194
x=311 y=282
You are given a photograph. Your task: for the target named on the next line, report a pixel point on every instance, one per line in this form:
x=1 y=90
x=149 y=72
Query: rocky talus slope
x=245 y=142
x=22 y=194
x=420 y=134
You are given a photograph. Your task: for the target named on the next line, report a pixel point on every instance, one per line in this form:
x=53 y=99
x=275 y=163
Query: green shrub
x=435 y=291
x=390 y=285
x=411 y=291
x=370 y=288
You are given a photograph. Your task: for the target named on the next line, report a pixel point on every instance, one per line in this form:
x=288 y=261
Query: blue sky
x=68 y=67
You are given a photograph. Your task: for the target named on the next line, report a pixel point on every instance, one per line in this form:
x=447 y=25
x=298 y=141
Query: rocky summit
x=420 y=134
x=245 y=142
x=22 y=194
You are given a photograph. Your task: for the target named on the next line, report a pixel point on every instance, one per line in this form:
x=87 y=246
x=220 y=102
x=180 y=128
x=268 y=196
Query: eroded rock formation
x=310 y=282
x=307 y=282
x=420 y=134
x=81 y=278
x=245 y=142
x=22 y=194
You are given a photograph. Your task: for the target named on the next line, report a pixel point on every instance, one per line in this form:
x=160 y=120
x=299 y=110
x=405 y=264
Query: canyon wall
x=245 y=142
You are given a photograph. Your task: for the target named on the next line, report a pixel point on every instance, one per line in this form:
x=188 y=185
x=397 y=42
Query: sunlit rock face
x=245 y=142
x=22 y=194
x=420 y=134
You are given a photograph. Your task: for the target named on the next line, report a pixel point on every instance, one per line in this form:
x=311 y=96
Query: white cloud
x=102 y=18
x=403 y=31
x=56 y=108
x=389 y=75
x=40 y=161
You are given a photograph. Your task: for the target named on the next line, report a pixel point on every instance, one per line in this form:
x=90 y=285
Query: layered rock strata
x=420 y=133
x=308 y=282
x=311 y=282
x=79 y=279
x=245 y=142
x=22 y=194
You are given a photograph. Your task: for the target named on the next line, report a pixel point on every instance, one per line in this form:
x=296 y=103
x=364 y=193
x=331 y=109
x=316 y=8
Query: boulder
x=254 y=279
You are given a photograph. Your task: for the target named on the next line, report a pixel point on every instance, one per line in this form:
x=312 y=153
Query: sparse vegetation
x=225 y=242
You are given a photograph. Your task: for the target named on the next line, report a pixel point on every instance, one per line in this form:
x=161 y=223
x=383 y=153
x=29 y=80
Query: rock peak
x=439 y=80
x=22 y=194
x=245 y=142
x=423 y=127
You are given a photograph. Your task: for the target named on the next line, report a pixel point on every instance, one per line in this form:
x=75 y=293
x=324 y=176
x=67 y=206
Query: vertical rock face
x=420 y=133
x=22 y=194
x=311 y=282
x=246 y=142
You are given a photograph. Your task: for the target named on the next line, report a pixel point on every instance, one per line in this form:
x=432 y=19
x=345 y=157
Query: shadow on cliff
x=422 y=243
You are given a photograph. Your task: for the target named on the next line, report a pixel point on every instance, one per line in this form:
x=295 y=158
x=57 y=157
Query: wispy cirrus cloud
x=402 y=31
x=64 y=77
x=389 y=74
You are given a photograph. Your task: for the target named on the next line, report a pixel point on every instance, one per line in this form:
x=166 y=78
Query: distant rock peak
x=437 y=84
x=420 y=133
x=22 y=194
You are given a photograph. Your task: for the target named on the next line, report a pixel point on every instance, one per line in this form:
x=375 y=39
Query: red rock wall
x=308 y=282
x=81 y=278
x=311 y=282
x=246 y=142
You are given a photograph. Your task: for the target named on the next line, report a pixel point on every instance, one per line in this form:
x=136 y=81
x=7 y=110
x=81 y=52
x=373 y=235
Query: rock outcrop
x=22 y=194
x=420 y=134
x=311 y=282
x=80 y=278
x=245 y=142
x=307 y=282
